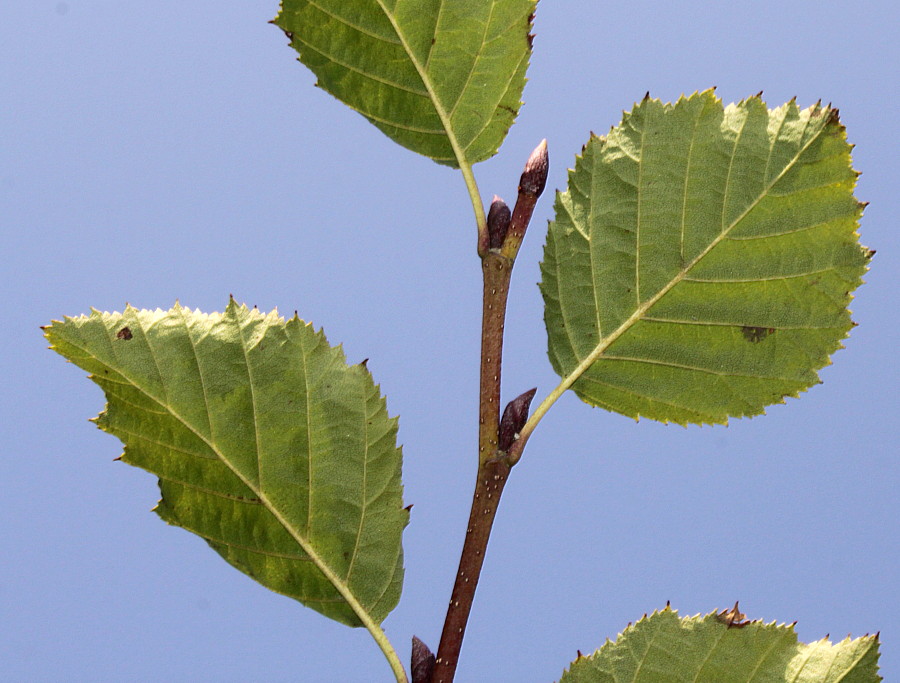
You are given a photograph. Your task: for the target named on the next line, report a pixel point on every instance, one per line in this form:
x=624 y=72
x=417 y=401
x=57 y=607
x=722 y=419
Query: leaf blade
x=442 y=79
x=708 y=649
x=266 y=443
x=669 y=250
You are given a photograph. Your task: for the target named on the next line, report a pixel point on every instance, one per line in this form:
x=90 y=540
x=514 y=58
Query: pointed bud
x=531 y=185
x=422 y=662
x=514 y=418
x=534 y=177
x=497 y=222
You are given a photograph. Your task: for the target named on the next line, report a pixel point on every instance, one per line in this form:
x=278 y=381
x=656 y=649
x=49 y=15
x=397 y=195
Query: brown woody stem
x=493 y=469
x=497 y=247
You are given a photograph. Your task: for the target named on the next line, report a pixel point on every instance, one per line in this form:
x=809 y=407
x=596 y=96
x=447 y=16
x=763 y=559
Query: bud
x=422 y=662
x=497 y=222
x=531 y=184
x=514 y=418
x=534 y=177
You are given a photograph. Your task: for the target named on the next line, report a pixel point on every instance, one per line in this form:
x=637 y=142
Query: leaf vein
x=355 y=69
x=728 y=187
x=637 y=227
x=254 y=412
x=709 y=654
x=124 y=399
x=687 y=180
x=355 y=27
x=695 y=368
x=781 y=233
x=255 y=550
x=363 y=496
x=169 y=447
x=402 y=126
x=768 y=278
x=762 y=658
x=634 y=392
x=475 y=58
x=725 y=323
x=429 y=87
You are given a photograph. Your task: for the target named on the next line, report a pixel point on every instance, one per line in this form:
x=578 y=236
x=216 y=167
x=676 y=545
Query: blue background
x=176 y=150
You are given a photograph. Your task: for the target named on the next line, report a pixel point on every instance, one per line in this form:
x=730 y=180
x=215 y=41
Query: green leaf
x=266 y=444
x=663 y=648
x=702 y=259
x=443 y=79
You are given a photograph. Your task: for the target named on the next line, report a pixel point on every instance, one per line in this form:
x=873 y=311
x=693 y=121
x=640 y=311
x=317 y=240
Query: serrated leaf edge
x=344 y=590
x=605 y=342
x=715 y=614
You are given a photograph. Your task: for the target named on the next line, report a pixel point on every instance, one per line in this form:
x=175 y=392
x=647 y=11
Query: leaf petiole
x=477 y=205
x=388 y=650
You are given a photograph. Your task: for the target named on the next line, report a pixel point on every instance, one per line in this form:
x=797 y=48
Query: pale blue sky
x=163 y=151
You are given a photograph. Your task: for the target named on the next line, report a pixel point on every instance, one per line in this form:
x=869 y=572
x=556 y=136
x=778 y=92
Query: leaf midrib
x=429 y=87
x=642 y=309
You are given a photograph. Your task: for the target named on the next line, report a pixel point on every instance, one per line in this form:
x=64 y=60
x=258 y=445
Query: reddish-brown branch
x=492 y=467
x=498 y=249
x=492 y=477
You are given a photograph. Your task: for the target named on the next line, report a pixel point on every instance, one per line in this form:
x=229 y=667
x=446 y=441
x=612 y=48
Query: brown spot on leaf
x=733 y=618
x=124 y=333
x=754 y=335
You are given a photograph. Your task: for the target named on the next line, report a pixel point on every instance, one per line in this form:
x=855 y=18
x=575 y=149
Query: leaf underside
x=443 y=79
x=266 y=444
x=702 y=259
x=664 y=648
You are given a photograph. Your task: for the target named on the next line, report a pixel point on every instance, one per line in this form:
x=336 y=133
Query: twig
x=498 y=247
